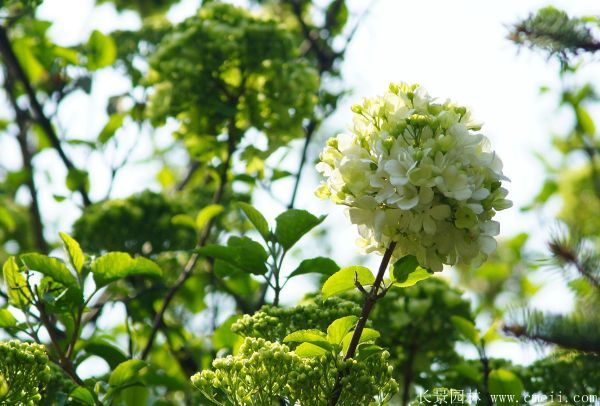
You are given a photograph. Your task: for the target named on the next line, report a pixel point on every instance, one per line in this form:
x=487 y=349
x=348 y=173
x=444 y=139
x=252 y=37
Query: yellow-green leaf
x=207 y=214
x=417 y=276
x=466 y=328
x=256 y=218
x=18 y=292
x=101 y=50
x=345 y=279
x=339 y=328
x=73 y=251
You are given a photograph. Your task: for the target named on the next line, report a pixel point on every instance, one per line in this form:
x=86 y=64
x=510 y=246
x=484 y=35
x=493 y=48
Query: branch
x=16 y=71
x=308 y=134
x=369 y=301
x=34 y=207
x=189 y=267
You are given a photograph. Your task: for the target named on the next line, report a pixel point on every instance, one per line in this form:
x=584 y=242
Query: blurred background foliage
x=235 y=87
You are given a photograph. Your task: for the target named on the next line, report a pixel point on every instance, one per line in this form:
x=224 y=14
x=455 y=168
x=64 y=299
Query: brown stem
x=370 y=299
x=65 y=362
x=189 y=267
x=34 y=208
x=17 y=72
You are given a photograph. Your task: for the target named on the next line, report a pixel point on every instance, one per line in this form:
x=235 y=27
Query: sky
x=455 y=49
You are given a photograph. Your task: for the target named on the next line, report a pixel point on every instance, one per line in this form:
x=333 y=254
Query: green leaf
x=306 y=336
x=256 y=218
x=223 y=337
x=241 y=252
x=105 y=350
x=207 y=214
x=77 y=179
x=6 y=220
x=367 y=350
x=338 y=329
x=51 y=267
x=321 y=265
x=504 y=382
x=492 y=333
x=7 y=319
x=73 y=251
x=585 y=121
x=18 y=292
x=368 y=335
x=344 y=280
x=117 y=265
x=101 y=51
x=293 y=224
x=468 y=371
x=309 y=350
x=466 y=328
x=82 y=395
x=34 y=70
x=403 y=267
x=417 y=276
x=127 y=373
x=115 y=121
x=183 y=220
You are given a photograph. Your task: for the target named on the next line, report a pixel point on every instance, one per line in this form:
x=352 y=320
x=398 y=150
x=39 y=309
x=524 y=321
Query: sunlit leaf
x=345 y=279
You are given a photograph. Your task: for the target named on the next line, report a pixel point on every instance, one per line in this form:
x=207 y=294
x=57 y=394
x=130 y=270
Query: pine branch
x=554 y=32
x=571 y=332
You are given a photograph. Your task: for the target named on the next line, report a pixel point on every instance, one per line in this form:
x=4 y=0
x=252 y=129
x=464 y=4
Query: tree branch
x=189 y=267
x=34 y=207
x=369 y=301
x=17 y=72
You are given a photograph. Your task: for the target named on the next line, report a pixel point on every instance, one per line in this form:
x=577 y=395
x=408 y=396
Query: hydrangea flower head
x=416 y=171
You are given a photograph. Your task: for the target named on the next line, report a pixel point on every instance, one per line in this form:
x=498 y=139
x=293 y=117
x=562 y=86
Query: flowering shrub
x=414 y=171
x=265 y=372
x=24 y=372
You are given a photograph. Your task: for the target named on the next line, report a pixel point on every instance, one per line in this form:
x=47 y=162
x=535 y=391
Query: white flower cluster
x=414 y=171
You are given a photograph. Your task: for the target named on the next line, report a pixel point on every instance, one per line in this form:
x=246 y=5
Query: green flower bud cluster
x=421 y=329
x=139 y=224
x=24 y=372
x=258 y=375
x=264 y=372
x=227 y=66
x=58 y=388
x=274 y=323
x=414 y=171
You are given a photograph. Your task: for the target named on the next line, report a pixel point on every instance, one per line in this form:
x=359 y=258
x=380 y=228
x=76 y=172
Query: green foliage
x=275 y=323
x=346 y=279
x=566 y=372
x=554 y=32
x=58 y=388
x=294 y=224
x=226 y=67
x=264 y=372
x=24 y=372
x=144 y=7
x=579 y=332
x=580 y=202
x=140 y=224
x=421 y=336
x=118 y=265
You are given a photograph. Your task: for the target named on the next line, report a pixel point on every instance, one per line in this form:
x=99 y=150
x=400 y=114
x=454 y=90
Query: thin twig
x=189 y=267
